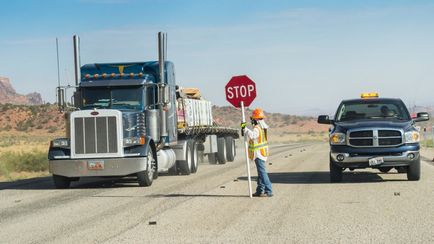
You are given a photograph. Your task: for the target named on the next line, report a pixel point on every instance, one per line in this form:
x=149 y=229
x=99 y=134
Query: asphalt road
x=212 y=206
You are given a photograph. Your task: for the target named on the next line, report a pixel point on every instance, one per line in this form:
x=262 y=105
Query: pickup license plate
x=376 y=161
x=95 y=164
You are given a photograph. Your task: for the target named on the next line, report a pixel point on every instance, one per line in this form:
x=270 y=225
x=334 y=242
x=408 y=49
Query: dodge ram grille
x=375 y=138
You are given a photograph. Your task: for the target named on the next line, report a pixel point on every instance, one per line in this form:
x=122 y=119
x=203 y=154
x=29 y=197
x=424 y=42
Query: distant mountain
x=9 y=95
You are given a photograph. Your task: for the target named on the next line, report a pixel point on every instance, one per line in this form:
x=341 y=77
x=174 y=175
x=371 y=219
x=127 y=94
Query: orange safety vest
x=261 y=146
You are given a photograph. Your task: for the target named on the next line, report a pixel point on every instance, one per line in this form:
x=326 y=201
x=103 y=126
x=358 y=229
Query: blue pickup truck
x=374 y=132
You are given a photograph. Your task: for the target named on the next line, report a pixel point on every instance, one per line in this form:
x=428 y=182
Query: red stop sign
x=240 y=89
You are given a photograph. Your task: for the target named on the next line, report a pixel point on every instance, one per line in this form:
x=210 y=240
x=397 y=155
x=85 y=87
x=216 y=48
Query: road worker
x=258 y=151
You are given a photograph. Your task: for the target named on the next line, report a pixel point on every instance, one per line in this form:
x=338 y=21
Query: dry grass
x=23 y=155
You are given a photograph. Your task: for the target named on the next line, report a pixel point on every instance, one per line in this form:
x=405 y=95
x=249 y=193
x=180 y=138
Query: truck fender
x=142 y=149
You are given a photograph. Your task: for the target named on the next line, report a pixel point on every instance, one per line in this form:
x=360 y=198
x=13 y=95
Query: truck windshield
x=375 y=109
x=113 y=97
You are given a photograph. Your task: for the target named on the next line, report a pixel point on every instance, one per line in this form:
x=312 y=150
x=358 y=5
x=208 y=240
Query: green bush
x=33 y=161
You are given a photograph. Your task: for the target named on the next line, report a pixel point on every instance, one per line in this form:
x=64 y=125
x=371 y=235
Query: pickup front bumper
x=350 y=157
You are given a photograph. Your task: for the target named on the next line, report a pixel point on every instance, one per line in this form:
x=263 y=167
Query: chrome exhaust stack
x=76 y=41
x=163 y=96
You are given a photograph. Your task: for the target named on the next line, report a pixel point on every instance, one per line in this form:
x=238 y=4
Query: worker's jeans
x=264 y=183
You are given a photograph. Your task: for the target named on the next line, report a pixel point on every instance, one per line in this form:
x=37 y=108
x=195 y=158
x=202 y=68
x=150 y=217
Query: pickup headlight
x=412 y=136
x=134 y=141
x=60 y=142
x=337 y=138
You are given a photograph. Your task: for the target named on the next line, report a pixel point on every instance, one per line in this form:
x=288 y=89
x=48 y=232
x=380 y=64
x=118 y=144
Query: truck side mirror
x=421 y=117
x=324 y=119
x=61 y=98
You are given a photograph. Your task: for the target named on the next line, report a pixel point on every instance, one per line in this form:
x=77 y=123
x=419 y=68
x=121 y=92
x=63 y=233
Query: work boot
x=259 y=194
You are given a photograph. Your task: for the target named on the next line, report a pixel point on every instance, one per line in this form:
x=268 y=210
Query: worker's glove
x=243 y=126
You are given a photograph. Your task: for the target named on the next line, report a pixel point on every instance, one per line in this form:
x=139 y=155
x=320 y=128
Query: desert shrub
x=7 y=128
x=23 y=125
x=52 y=129
x=23 y=161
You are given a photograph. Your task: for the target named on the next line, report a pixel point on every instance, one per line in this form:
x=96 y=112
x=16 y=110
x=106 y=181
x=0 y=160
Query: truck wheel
x=230 y=149
x=335 y=172
x=61 y=182
x=212 y=158
x=221 y=150
x=195 y=156
x=385 y=169
x=413 y=171
x=146 y=177
x=185 y=165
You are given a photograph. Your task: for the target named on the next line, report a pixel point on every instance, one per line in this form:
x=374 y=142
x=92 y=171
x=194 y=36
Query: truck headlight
x=134 y=141
x=412 y=136
x=337 y=138
x=60 y=142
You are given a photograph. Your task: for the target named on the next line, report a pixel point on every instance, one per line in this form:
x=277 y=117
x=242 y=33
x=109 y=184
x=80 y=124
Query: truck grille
x=95 y=135
x=375 y=138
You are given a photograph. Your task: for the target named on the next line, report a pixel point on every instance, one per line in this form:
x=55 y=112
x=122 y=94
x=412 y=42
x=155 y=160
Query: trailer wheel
x=195 y=156
x=230 y=149
x=185 y=165
x=212 y=158
x=146 y=177
x=61 y=182
x=221 y=150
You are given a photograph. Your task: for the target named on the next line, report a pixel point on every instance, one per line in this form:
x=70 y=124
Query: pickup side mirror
x=324 y=119
x=421 y=117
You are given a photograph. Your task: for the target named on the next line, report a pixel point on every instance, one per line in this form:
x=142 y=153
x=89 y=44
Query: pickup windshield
x=113 y=97
x=372 y=109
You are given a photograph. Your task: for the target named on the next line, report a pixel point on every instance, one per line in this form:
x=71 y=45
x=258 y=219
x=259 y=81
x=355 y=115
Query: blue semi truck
x=132 y=119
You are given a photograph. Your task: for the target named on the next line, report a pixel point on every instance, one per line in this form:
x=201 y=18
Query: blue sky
x=305 y=56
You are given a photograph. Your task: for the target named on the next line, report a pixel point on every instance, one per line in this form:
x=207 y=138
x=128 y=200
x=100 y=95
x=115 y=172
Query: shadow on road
x=46 y=183
x=194 y=195
x=322 y=177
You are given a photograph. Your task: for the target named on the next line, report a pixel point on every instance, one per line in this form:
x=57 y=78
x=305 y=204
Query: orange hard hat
x=258 y=114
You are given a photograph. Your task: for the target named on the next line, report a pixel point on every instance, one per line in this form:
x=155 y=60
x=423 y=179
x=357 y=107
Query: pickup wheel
x=194 y=156
x=221 y=150
x=61 y=182
x=146 y=177
x=335 y=172
x=413 y=171
x=230 y=149
x=184 y=166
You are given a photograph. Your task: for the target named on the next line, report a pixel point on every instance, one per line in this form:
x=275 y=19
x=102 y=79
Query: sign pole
x=247 y=153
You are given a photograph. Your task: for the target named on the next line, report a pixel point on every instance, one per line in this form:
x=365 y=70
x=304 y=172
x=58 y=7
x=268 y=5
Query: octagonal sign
x=240 y=89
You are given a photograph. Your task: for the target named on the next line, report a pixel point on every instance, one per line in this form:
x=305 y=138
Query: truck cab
x=374 y=132
x=116 y=126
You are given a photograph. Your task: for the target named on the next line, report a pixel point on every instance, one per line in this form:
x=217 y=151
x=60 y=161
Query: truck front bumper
x=112 y=167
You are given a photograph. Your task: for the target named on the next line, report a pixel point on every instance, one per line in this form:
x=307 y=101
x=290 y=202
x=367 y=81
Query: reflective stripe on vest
x=261 y=146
